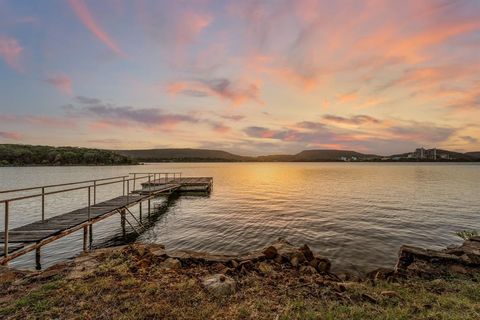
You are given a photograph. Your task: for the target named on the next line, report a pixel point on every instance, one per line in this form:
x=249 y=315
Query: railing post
x=94 y=191
x=88 y=208
x=43 y=204
x=5 y=236
x=149 y=185
x=128 y=190
x=140 y=209
x=134 y=178
x=123 y=185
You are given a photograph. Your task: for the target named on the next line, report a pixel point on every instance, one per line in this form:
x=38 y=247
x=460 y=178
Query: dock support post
x=149 y=205
x=90 y=236
x=140 y=209
x=85 y=236
x=43 y=204
x=122 y=222
x=38 y=265
x=5 y=235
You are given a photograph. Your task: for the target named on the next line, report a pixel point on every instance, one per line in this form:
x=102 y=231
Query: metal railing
x=92 y=184
x=159 y=176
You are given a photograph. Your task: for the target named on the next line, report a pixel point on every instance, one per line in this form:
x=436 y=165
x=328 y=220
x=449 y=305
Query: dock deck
x=32 y=236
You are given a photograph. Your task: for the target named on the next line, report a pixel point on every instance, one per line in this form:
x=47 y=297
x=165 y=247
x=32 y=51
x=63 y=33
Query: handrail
x=72 y=189
x=123 y=180
x=59 y=185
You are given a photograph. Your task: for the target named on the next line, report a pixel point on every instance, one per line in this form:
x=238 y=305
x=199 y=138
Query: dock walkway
x=33 y=236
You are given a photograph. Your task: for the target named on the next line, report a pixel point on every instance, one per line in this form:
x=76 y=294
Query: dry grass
x=126 y=286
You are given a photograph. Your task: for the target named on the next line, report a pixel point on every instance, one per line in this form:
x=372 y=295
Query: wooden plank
x=12 y=248
x=28 y=236
x=43 y=232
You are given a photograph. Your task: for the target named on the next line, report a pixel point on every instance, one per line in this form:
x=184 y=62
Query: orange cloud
x=83 y=13
x=10 y=52
x=10 y=135
x=347 y=96
x=61 y=82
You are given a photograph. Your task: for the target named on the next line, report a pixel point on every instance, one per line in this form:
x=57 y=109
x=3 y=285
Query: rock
x=465 y=259
x=252 y=256
x=193 y=257
x=323 y=265
x=219 y=285
x=247 y=265
x=281 y=259
x=381 y=274
x=390 y=294
x=265 y=268
x=456 y=268
x=308 y=270
x=234 y=263
x=307 y=252
x=284 y=248
x=297 y=259
x=270 y=252
x=159 y=252
x=171 y=263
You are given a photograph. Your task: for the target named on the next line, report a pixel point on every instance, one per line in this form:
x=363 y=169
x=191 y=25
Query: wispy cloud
x=236 y=92
x=10 y=52
x=107 y=115
x=62 y=82
x=395 y=135
x=10 y=135
x=354 y=120
x=85 y=15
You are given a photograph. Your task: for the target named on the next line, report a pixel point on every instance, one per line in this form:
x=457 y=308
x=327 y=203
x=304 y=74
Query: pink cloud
x=84 y=14
x=237 y=91
x=10 y=52
x=45 y=121
x=61 y=82
x=10 y=135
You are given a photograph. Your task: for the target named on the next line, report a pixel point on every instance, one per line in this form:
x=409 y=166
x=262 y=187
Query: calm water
x=356 y=214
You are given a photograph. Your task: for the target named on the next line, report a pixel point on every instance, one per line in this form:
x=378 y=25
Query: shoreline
x=282 y=281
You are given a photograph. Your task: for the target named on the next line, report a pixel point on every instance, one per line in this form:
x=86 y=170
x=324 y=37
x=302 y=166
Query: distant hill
x=475 y=154
x=25 y=155
x=191 y=155
x=469 y=156
x=331 y=155
x=181 y=155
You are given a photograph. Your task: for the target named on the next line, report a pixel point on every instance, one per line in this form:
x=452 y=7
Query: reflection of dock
x=32 y=236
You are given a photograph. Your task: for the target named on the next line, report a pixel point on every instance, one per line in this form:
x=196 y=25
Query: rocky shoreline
x=412 y=261
x=281 y=273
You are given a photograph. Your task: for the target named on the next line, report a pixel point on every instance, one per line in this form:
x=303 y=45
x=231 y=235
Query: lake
x=357 y=214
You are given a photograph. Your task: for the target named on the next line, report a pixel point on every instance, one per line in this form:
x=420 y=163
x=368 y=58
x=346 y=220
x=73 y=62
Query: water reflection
x=357 y=214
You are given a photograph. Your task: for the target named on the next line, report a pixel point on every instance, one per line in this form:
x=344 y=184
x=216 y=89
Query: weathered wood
x=38 y=264
x=19 y=240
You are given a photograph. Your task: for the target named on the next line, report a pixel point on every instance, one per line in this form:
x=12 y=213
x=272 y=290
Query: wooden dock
x=32 y=236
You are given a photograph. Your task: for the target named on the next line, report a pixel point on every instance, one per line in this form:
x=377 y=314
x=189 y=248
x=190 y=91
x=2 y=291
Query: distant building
x=419 y=153
x=425 y=154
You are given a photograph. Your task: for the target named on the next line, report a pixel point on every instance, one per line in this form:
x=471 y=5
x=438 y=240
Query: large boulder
x=171 y=263
x=307 y=252
x=219 y=285
x=413 y=261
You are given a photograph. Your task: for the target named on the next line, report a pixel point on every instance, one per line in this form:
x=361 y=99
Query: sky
x=251 y=77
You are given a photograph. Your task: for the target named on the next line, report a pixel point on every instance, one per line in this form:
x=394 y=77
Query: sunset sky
x=252 y=77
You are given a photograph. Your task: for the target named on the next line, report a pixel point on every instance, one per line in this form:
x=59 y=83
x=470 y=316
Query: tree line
x=21 y=155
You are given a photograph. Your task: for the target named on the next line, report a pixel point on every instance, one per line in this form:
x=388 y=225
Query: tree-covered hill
x=22 y=155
